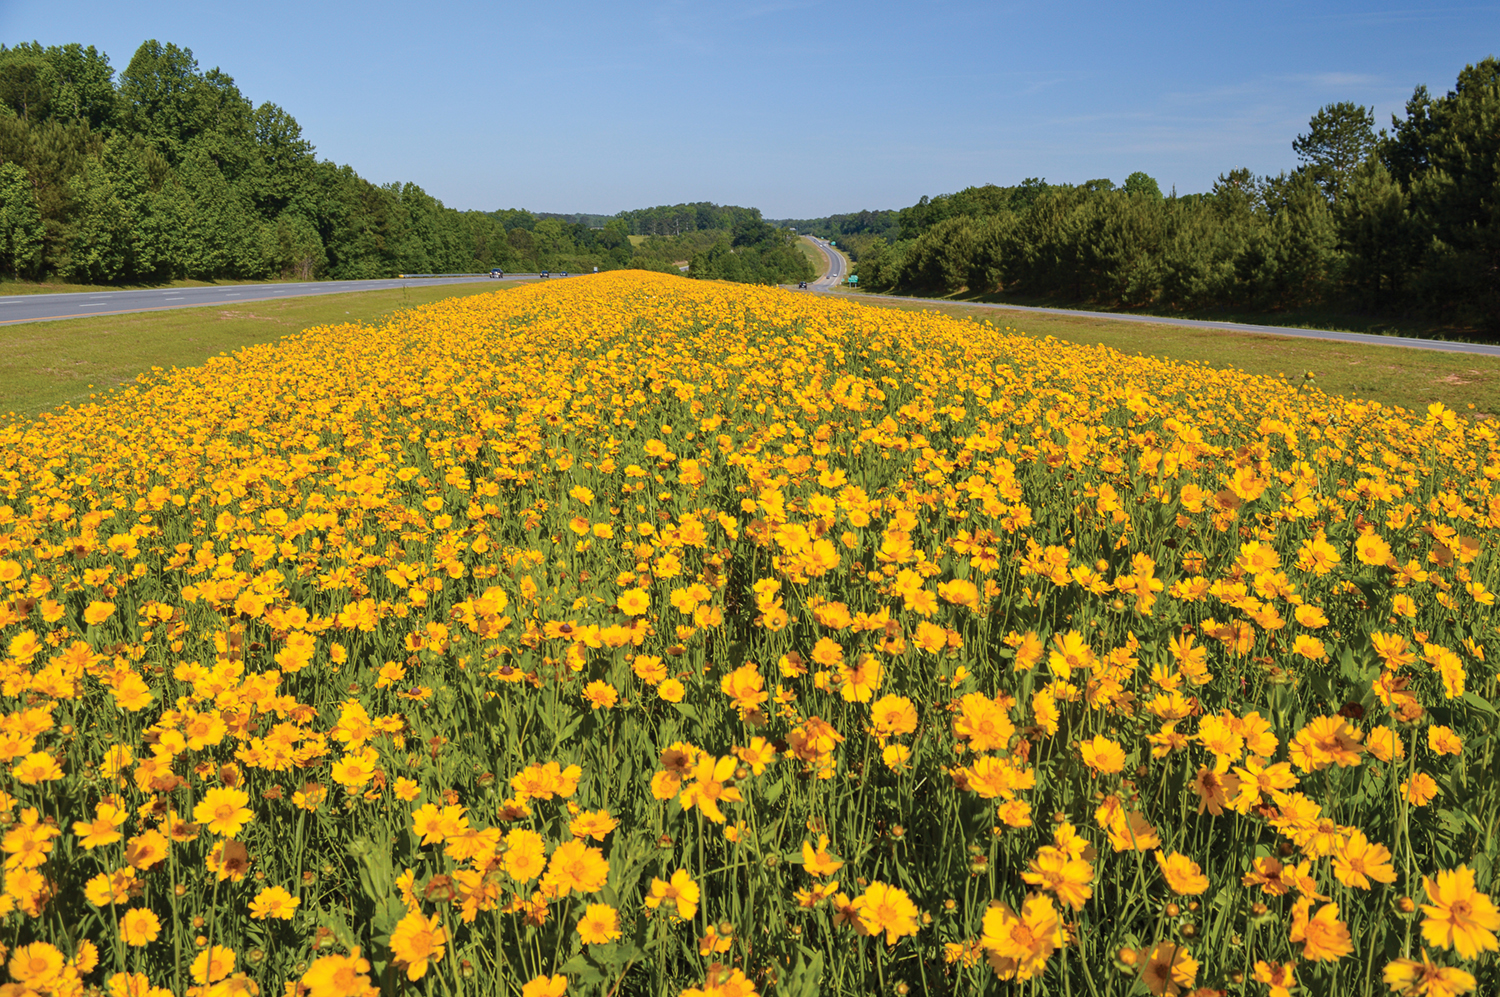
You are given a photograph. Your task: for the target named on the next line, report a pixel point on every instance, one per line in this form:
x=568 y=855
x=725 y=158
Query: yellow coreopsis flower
x=1458 y=916
x=599 y=924
x=888 y=909
x=222 y=811
x=417 y=942
x=1182 y=874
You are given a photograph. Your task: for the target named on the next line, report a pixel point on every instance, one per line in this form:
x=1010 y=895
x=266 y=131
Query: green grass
x=636 y=240
x=1394 y=375
x=46 y=364
x=814 y=255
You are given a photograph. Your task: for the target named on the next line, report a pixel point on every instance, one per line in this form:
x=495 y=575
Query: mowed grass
x=1393 y=375
x=46 y=364
x=814 y=255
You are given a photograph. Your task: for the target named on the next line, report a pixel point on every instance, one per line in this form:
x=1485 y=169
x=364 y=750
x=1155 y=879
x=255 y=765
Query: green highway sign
x=854 y=279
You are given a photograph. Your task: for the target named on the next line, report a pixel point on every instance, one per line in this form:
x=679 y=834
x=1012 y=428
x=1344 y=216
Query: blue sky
x=798 y=108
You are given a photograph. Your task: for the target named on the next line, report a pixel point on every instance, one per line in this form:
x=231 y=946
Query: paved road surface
x=835 y=259
x=836 y=266
x=43 y=307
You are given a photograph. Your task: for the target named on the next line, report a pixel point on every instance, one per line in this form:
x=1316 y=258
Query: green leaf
x=583 y=969
x=568 y=729
x=1481 y=704
x=377 y=879
x=805 y=979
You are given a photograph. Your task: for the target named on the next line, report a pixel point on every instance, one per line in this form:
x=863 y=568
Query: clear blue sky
x=801 y=109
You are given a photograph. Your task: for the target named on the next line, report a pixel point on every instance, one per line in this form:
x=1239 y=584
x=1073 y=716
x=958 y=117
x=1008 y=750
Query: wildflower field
x=635 y=635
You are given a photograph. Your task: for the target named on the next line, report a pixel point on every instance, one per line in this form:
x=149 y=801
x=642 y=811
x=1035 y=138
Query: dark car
x=545 y=273
x=497 y=272
x=802 y=285
x=563 y=274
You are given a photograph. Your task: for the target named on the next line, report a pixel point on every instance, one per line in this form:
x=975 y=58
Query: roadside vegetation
x=1388 y=232
x=168 y=172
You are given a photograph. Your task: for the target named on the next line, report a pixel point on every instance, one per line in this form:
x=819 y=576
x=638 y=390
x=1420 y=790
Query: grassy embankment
x=1393 y=375
x=46 y=364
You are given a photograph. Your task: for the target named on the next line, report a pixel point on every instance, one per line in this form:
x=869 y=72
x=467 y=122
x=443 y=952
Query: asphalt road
x=836 y=266
x=828 y=282
x=44 y=307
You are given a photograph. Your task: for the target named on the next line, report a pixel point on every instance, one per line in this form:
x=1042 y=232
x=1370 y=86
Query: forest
x=166 y=171
x=1401 y=222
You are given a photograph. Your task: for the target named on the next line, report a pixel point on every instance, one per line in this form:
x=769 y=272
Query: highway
x=837 y=266
x=834 y=277
x=18 y=308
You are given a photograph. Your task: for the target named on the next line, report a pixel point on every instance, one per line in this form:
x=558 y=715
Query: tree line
x=168 y=171
x=1405 y=221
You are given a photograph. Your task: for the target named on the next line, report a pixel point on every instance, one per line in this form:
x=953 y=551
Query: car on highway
x=802 y=285
x=497 y=272
x=545 y=273
x=563 y=274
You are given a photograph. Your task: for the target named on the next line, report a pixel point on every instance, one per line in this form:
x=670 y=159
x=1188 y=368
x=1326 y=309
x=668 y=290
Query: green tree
x=85 y=88
x=1291 y=257
x=942 y=258
x=551 y=242
x=1457 y=198
x=1143 y=184
x=292 y=247
x=98 y=249
x=218 y=236
x=22 y=235
x=1338 y=138
x=167 y=102
x=27 y=83
x=1377 y=234
x=282 y=162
